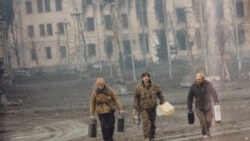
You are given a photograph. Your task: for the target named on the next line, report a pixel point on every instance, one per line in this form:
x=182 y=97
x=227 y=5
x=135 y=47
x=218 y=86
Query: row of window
x=45 y=29
x=91 y=50
x=43 y=6
x=107 y=22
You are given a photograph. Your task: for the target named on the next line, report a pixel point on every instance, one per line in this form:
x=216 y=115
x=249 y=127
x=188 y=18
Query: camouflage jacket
x=145 y=98
x=104 y=101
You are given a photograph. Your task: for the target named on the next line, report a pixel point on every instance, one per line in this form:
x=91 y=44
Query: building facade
x=74 y=33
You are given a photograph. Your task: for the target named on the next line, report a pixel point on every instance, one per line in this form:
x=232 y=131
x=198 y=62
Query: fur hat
x=100 y=81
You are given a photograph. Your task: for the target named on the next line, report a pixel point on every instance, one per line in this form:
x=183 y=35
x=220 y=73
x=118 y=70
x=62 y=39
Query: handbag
x=191 y=117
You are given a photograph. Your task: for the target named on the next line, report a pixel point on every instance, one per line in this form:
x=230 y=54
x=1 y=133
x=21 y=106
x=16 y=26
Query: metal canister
x=120 y=123
x=92 y=130
x=217 y=113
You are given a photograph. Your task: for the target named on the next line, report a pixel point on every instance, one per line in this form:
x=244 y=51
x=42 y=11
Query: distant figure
x=145 y=102
x=202 y=91
x=104 y=101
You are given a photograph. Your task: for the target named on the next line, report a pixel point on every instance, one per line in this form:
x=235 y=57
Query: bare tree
x=14 y=44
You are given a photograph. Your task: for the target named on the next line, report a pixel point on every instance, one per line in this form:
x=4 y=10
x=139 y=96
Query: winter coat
x=145 y=98
x=202 y=94
x=104 y=101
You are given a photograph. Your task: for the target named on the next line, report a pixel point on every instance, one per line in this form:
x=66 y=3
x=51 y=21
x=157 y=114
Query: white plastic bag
x=165 y=109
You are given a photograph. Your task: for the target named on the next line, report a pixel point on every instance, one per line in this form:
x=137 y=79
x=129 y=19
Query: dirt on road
x=52 y=109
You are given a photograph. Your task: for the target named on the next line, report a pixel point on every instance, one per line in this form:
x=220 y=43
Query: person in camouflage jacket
x=104 y=101
x=145 y=102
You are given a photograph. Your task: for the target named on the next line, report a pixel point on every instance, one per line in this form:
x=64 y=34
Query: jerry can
x=120 y=123
x=217 y=113
x=92 y=130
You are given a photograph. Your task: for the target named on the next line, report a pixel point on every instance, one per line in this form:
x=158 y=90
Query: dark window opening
x=241 y=35
x=48 y=52
x=180 y=13
x=31 y=31
x=144 y=42
x=42 y=30
x=181 y=38
x=49 y=30
x=40 y=6
x=159 y=9
x=141 y=12
x=126 y=48
x=60 y=28
x=33 y=54
x=91 y=50
x=108 y=22
x=90 y=24
x=47 y=5
x=58 y=5
x=28 y=7
x=63 y=51
x=239 y=9
x=124 y=20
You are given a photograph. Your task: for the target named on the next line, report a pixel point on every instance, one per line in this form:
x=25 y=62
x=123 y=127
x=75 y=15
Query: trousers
x=107 y=125
x=149 y=117
x=205 y=118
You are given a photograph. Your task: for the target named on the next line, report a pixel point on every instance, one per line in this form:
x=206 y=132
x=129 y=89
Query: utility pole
x=4 y=28
x=167 y=39
x=81 y=40
x=116 y=42
x=204 y=50
x=66 y=24
x=236 y=34
x=95 y=6
x=143 y=32
x=130 y=38
x=58 y=46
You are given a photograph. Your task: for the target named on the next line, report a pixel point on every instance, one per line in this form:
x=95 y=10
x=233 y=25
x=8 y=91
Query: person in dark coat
x=203 y=92
x=104 y=101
